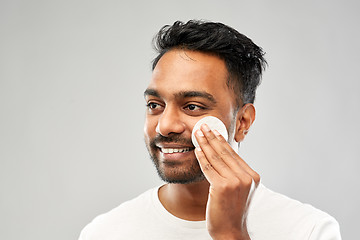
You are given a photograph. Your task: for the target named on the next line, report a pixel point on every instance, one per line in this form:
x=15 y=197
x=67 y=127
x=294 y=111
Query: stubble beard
x=175 y=174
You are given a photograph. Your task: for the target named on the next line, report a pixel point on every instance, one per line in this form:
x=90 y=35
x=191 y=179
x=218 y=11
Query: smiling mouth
x=176 y=150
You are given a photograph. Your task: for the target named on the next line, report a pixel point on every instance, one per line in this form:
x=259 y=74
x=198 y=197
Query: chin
x=181 y=179
x=179 y=174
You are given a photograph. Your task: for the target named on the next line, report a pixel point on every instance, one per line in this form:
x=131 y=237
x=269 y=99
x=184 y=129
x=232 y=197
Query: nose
x=170 y=122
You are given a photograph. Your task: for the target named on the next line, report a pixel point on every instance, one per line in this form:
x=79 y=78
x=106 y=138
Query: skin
x=221 y=197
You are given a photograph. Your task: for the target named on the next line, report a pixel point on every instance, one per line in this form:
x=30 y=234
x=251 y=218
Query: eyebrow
x=183 y=94
x=151 y=92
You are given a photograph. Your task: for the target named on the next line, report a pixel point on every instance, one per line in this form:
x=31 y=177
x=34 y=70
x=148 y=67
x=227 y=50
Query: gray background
x=71 y=106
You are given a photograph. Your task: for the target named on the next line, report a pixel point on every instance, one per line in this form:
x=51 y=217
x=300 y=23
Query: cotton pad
x=213 y=123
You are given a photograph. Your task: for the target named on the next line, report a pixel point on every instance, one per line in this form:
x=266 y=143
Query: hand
x=230 y=181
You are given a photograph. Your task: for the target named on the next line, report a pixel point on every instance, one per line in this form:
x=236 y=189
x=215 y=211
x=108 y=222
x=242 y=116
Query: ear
x=244 y=119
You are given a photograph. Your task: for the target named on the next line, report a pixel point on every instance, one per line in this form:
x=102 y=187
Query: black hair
x=244 y=60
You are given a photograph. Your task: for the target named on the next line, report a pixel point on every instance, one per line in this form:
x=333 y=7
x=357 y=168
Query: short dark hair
x=244 y=60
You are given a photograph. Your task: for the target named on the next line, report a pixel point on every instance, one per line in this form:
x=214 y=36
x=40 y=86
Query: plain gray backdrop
x=72 y=76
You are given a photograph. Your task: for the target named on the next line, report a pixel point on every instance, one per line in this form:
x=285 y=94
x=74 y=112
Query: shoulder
x=272 y=212
x=126 y=214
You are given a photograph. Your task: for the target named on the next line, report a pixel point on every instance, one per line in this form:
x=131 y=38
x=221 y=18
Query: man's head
x=202 y=69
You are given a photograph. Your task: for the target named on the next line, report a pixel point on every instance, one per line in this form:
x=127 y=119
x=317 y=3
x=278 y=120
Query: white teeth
x=175 y=150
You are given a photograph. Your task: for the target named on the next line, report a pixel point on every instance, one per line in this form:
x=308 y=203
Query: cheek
x=191 y=121
x=227 y=115
x=150 y=125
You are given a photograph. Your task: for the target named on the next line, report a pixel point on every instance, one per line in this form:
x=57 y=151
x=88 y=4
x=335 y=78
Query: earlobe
x=244 y=119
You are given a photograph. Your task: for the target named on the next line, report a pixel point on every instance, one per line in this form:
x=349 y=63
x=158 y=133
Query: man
x=206 y=69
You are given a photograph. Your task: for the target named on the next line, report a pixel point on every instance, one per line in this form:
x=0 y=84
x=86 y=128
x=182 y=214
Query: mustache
x=170 y=139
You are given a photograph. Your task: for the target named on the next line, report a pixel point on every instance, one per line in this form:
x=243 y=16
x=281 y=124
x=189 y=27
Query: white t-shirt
x=271 y=216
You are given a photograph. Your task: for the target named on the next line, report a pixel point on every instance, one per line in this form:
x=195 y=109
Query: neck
x=185 y=201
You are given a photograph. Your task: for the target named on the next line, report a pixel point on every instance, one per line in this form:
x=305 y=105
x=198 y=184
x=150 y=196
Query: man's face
x=185 y=87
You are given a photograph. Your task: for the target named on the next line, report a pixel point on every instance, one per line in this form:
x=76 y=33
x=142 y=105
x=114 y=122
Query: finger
x=218 y=144
x=227 y=153
x=210 y=173
x=212 y=157
x=220 y=183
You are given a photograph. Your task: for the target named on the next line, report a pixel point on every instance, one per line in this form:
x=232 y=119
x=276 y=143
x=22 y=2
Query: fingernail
x=206 y=127
x=199 y=133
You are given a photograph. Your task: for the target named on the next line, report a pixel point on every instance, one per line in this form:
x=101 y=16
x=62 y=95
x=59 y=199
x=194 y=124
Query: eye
x=152 y=105
x=193 y=107
x=154 y=108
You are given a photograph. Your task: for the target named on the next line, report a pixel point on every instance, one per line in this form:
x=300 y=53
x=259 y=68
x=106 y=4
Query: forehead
x=184 y=70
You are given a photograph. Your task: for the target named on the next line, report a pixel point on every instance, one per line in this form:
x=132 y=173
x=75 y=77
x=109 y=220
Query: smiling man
x=206 y=69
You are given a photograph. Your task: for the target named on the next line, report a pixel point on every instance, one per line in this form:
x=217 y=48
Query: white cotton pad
x=213 y=123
